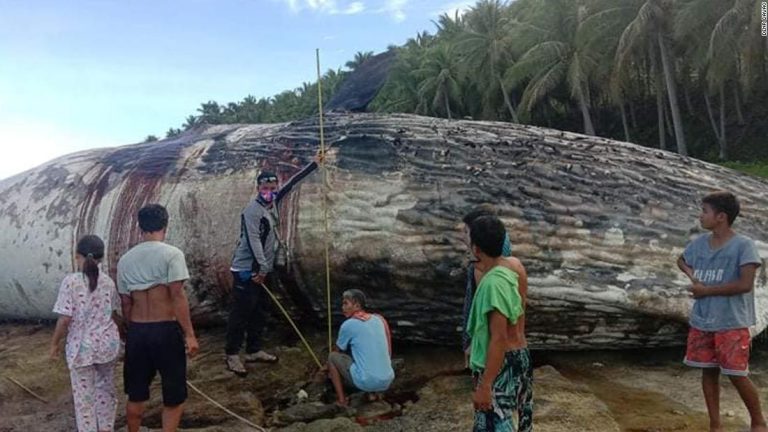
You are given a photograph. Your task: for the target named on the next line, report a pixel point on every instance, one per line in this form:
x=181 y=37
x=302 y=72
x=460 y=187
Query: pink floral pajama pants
x=93 y=389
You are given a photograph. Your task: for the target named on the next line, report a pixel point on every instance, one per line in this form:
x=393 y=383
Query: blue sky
x=85 y=74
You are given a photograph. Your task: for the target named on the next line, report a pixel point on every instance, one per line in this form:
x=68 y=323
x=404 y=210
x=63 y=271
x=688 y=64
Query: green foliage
x=759 y=169
x=650 y=71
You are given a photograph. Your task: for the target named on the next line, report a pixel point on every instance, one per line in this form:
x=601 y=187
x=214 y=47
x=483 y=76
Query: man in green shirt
x=496 y=308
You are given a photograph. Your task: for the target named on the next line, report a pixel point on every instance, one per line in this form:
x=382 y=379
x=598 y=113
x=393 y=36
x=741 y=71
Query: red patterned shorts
x=726 y=349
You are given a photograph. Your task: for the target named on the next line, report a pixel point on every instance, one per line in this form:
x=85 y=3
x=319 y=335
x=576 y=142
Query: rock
x=398 y=364
x=340 y=424
x=599 y=242
x=307 y=412
x=362 y=85
x=302 y=396
x=730 y=413
x=374 y=410
x=561 y=404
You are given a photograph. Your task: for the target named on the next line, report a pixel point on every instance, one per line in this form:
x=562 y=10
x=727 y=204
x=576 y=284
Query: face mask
x=267 y=196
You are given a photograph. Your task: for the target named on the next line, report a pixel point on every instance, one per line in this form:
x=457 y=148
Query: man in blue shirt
x=367 y=338
x=722 y=266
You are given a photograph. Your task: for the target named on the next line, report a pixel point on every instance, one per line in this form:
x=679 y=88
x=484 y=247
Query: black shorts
x=151 y=348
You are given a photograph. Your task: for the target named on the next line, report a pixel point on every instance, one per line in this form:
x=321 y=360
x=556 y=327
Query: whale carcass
x=599 y=223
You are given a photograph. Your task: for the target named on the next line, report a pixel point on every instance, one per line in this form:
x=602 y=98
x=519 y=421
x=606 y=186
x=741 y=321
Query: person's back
x=93 y=335
x=368 y=341
x=145 y=272
x=150 y=279
x=87 y=304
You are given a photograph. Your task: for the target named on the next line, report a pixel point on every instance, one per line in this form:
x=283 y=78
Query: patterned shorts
x=726 y=349
x=512 y=393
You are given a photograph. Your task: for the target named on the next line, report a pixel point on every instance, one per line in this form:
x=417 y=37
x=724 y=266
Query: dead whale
x=599 y=223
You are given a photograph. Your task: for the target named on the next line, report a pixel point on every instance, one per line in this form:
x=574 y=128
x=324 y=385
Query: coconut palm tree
x=440 y=84
x=556 y=58
x=486 y=48
x=651 y=28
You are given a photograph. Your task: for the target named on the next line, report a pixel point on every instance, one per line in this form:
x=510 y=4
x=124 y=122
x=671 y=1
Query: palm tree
x=449 y=28
x=172 y=132
x=360 y=58
x=650 y=28
x=556 y=58
x=486 y=47
x=190 y=122
x=440 y=85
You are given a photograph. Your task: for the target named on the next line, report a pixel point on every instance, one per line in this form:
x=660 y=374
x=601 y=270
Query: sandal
x=235 y=365
x=261 y=357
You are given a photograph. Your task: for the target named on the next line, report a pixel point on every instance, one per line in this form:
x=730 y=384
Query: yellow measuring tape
x=325 y=201
x=325 y=218
x=293 y=324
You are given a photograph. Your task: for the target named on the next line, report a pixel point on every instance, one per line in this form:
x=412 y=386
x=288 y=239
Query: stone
x=307 y=412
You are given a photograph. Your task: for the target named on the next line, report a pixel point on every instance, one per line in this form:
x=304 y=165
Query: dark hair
x=487 y=233
x=479 y=211
x=724 y=202
x=91 y=248
x=356 y=296
x=153 y=218
x=266 y=177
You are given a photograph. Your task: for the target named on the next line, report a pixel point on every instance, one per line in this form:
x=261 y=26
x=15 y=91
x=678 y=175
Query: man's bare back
x=515 y=332
x=152 y=305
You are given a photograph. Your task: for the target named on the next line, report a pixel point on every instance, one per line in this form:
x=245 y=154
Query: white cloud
x=461 y=7
x=330 y=7
x=396 y=9
x=37 y=143
x=354 y=8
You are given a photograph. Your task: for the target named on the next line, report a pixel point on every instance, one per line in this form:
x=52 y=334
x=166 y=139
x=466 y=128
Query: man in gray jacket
x=252 y=265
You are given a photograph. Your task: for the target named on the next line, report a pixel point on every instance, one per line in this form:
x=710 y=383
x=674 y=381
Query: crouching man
x=362 y=357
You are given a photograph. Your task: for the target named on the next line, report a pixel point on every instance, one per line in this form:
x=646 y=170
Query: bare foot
x=343 y=403
x=716 y=429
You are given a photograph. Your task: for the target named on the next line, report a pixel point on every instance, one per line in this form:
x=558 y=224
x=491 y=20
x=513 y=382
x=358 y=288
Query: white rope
x=223 y=408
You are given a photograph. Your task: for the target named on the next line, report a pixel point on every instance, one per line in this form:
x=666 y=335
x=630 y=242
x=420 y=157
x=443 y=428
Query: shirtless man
x=150 y=279
x=499 y=356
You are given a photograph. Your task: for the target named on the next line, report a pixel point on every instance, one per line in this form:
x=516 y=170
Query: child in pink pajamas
x=86 y=304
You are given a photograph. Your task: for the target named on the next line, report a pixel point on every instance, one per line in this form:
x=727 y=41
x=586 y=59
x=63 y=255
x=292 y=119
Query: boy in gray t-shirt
x=722 y=266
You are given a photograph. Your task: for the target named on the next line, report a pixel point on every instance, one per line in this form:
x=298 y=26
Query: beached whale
x=599 y=223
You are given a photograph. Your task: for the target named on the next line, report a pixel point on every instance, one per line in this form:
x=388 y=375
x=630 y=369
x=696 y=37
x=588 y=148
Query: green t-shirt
x=498 y=290
x=148 y=264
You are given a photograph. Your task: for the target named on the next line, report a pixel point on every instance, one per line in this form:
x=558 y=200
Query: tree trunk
x=507 y=101
x=737 y=101
x=668 y=122
x=589 y=129
x=632 y=115
x=624 y=122
x=711 y=117
x=723 y=142
x=656 y=74
x=672 y=93
x=447 y=105
x=688 y=103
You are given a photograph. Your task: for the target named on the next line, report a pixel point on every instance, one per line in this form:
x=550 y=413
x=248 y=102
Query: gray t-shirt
x=717 y=267
x=148 y=264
